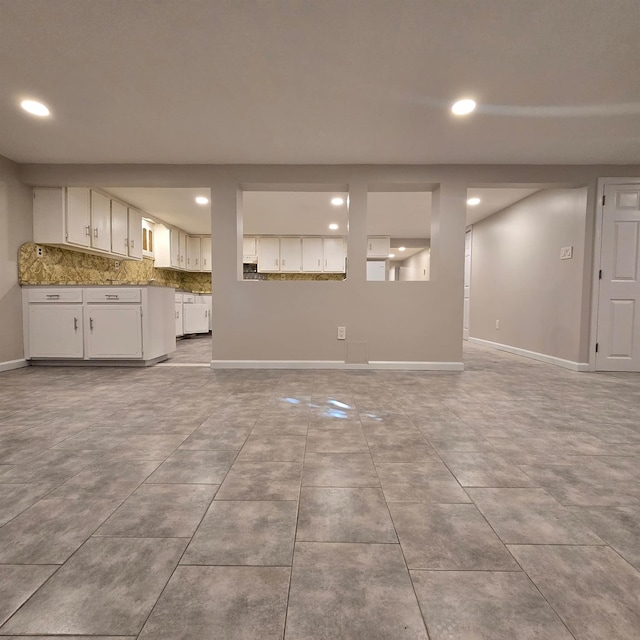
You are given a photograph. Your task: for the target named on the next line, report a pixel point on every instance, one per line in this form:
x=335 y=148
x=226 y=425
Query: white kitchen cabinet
x=378 y=246
x=55 y=330
x=334 y=255
x=268 y=254
x=168 y=247
x=148 y=238
x=376 y=270
x=114 y=331
x=78 y=214
x=175 y=248
x=119 y=228
x=100 y=221
x=134 y=233
x=312 y=255
x=290 y=255
x=195 y=318
x=206 y=299
x=205 y=252
x=182 y=243
x=194 y=248
x=179 y=323
x=249 y=249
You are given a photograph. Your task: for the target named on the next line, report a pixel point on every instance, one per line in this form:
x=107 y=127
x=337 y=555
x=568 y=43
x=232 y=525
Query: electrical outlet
x=342 y=333
x=39 y=252
x=116 y=265
x=497 y=324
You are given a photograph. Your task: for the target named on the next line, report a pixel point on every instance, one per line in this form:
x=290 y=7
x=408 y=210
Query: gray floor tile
x=352 y=592
x=51 y=530
x=18 y=583
x=273 y=449
x=245 y=533
x=194 y=467
x=101 y=438
x=485 y=470
x=530 y=516
x=68 y=638
x=145 y=447
x=450 y=537
x=216 y=438
x=485 y=605
x=108 y=587
x=594 y=591
x=339 y=470
x=329 y=514
x=337 y=441
x=262 y=481
x=16 y=498
x=160 y=511
x=50 y=467
x=249 y=603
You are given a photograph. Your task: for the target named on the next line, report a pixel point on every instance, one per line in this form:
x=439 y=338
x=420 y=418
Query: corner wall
x=518 y=279
x=16 y=227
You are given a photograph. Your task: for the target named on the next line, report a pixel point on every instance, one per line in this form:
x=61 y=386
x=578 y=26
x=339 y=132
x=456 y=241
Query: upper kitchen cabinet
x=167 y=249
x=335 y=255
x=83 y=219
x=268 y=254
x=249 y=249
x=378 y=246
x=312 y=255
x=134 y=229
x=194 y=249
x=205 y=251
x=290 y=255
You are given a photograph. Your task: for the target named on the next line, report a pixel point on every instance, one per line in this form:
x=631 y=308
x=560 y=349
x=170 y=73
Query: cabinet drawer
x=54 y=295
x=108 y=294
x=188 y=298
x=178 y=297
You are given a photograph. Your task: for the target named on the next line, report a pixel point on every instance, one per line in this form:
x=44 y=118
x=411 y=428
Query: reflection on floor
x=188 y=504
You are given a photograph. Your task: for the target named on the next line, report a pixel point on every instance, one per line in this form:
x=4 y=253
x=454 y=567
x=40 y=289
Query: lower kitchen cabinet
x=195 y=318
x=132 y=325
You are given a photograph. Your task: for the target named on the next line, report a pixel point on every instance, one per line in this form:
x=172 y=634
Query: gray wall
x=517 y=276
x=16 y=228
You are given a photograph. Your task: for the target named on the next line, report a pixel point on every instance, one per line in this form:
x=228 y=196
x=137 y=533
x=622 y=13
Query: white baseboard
x=534 y=355
x=13 y=364
x=337 y=364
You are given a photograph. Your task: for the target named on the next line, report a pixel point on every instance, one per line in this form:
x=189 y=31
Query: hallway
x=181 y=503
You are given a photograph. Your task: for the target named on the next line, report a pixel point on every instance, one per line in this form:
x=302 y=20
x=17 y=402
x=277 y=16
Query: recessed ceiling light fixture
x=463 y=107
x=35 y=108
x=202 y=200
x=392 y=255
x=336 y=202
x=402 y=248
x=333 y=226
x=472 y=202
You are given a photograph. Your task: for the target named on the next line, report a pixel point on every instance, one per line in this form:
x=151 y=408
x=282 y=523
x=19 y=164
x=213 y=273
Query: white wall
x=517 y=276
x=416 y=267
x=16 y=228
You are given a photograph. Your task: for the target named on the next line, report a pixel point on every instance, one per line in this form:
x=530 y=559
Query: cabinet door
x=269 y=254
x=119 y=229
x=55 y=331
x=114 y=331
x=249 y=248
x=378 y=246
x=134 y=234
x=179 y=329
x=334 y=255
x=193 y=254
x=290 y=254
x=196 y=318
x=312 y=255
x=79 y=216
x=100 y=222
x=205 y=252
x=175 y=248
x=182 y=238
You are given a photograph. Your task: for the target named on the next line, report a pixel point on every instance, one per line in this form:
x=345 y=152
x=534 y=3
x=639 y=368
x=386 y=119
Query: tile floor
x=177 y=503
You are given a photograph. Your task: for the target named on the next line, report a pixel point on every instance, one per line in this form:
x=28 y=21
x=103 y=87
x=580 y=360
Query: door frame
x=597 y=257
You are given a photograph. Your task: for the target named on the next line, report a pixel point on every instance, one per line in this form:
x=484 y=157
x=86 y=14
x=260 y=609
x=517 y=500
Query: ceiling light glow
x=35 y=108
x=402 y=248
x=472 y=202
x=463 y=107
x=336 y=202
x=333 y=226
x=202 y=200
x=392 y=255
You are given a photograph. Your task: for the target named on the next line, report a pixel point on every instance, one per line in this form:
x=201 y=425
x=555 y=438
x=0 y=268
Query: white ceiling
x=333 y=81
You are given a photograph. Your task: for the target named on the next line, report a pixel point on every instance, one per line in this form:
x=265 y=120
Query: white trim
x=597 y=258
x=13 y=364
x=337 y=364
x=534 y=355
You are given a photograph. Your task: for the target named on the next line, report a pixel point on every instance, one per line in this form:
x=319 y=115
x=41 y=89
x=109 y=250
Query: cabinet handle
x=126 y=242
x=325 y=262
x=87 y=230
x=133 y=244
x=276 y=262
x=53 y=296
x=283 y=262
x=95 y=232
x=370 y=249
x=75 y=324
x=91 y=324
x=318 y=262
x=111 y=296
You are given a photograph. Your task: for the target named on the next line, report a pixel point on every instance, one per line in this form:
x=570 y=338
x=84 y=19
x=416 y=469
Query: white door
x=55 y=331
x=196 y=318
x=290 y=254
x=312 y=255
x=193 y=254
x=100 y=221
x=114 y=331
x=205 y=251
x=134 y=234
x=618 y=335
x=174 y=243
x=467 y=284
x=268 y=254
x=334 y=255
x=179 y=327
x=78 y=216
x=378 y=246
x=249 y=249
x=119 y=229
x=182 y=237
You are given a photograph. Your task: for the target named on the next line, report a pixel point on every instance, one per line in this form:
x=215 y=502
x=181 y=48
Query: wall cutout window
x=398 y=235
x=295 y=235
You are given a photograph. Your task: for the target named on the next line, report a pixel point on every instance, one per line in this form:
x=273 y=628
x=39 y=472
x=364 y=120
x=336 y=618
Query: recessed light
x=463 y=107
x=473 y=201
x=202 y=200
x=35 y=108
x=333 y=226
x=402 y=248
x=392 y=255
x=336 y=202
